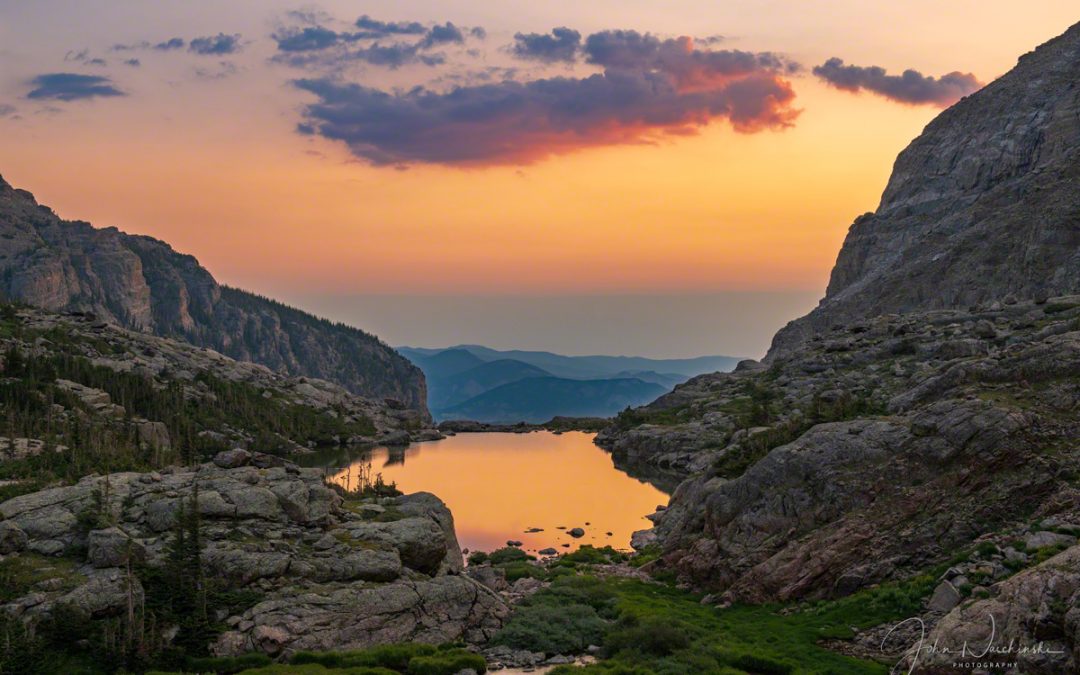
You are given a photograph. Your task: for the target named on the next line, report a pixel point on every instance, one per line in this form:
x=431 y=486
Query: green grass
x=20 y=574
x=648 y=628
x=395 y=659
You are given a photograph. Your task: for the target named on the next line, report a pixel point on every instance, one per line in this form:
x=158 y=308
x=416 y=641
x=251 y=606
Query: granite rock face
x=1032 y=620
x=873 y=461
x=983 y=205
x=143 y=284
x=331 y=578
x=930 y=401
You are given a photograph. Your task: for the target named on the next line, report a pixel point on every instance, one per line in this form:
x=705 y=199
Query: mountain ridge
x=980 y=206
x=144 y=284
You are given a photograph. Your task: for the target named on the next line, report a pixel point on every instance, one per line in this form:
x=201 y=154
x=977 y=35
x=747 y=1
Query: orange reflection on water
x=500 y=485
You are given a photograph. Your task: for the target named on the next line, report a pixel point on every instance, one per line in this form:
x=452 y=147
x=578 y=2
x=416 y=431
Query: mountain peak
x=981 y=206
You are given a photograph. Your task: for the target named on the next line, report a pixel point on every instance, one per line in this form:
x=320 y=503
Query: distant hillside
x=460 y=387
x=142 y=283
x=538 y=399
x=590 y=367
x=444 y=364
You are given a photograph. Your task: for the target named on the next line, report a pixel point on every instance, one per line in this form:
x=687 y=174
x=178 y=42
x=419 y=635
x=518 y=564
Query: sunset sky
x=452 y=171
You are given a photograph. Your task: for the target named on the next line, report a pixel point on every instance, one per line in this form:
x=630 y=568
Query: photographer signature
x=989 y=651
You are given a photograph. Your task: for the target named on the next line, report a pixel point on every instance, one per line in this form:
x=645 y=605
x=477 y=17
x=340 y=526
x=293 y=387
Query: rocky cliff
x=983 y=205
x=927 y=411
x=142 y=283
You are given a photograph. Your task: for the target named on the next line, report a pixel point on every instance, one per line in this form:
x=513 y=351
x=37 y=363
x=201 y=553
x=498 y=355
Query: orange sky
x=214 y=166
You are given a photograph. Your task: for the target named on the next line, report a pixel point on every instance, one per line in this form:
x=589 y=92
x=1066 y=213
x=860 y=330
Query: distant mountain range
x=488 y=385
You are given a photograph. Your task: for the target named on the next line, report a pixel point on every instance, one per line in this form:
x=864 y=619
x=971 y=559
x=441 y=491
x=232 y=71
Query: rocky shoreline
x=332 y=572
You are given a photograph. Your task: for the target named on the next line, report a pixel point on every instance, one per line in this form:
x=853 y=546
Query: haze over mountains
x=488 y=385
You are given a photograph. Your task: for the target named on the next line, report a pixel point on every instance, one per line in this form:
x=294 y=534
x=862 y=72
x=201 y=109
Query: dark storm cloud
x=377 y=28
x=561 y=45
x=215 y=45
x=520 y=122
x=910 y=87
x=71 y=87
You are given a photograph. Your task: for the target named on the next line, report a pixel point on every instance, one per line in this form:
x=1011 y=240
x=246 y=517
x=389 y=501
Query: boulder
x=435 y=611
x=12 y=538
x=112 y=547
x=231 y=459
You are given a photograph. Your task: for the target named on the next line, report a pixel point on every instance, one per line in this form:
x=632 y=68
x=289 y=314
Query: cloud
x=561 y=45
x=221 y=71
x=376 y=28
x=215 y=45
x=71 y=87
x=445 y=34
x=170 y=44
x=649 y=90
x=7 y=110
x=134 y=63
x=310 y=38
x=333 y=57
x=910 y=87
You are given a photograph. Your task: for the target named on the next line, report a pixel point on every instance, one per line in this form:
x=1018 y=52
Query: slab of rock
x=444 y=609
x=1037 y=612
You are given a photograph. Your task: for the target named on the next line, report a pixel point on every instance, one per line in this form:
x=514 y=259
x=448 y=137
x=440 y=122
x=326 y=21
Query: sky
x=612 y=176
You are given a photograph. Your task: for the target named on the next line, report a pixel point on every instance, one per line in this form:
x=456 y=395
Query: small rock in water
x=576 y=533
x=512 y=542
x=534 y=530
x=547 y=551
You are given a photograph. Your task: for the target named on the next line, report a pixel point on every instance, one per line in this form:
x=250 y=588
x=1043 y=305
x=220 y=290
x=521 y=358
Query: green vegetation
x=408 y=659
x=591 y=555
x=20 y=574
x=633 y=417
x=742 y=456
x=32 y=405
x=648 y=628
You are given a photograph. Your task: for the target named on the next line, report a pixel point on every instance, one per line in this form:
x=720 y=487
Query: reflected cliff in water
x=501 y=485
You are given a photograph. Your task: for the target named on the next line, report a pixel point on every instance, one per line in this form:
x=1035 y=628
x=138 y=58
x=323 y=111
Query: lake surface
x=499 y=485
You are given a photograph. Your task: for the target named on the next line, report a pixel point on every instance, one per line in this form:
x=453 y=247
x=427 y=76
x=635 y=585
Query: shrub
x=591 y=555
x=508 y=554
x=226 y=665
x=552 y=629
x=447 y=663
x=394 y=657
x=477 y=558
x=753 y=663
x=654 y=636
x=522 y=570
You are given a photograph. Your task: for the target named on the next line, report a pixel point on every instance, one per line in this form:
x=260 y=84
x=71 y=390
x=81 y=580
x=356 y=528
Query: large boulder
x=444 y=609
x=112 y=547
x=1033 y=620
